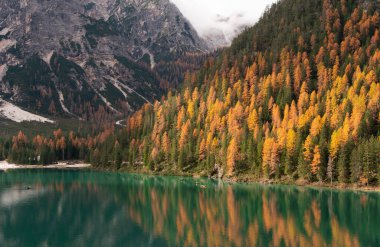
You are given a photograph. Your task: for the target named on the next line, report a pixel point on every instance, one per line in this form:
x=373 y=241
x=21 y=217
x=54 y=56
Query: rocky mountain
x=73 y=56
x=216 y=38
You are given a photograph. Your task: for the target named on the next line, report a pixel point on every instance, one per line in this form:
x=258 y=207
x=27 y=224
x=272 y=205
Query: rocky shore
x=4 y=166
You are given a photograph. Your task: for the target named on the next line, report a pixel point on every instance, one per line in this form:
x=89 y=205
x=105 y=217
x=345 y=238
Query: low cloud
x=225 y=15
x=220 y=18
x=240 y=15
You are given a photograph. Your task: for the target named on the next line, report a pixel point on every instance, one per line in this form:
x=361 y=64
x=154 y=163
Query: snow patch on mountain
x=16 y=114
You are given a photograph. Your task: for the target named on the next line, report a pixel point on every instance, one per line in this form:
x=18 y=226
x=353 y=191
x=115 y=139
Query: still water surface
x=83 y=208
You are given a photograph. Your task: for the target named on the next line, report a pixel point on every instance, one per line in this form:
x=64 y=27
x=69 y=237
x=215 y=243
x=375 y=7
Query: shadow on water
x=84 y=208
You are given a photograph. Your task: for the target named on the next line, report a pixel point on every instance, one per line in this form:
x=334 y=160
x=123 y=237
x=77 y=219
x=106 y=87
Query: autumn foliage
x=276 y=104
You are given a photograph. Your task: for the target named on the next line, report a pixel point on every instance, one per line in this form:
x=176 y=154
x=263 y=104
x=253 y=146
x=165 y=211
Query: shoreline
x=305 y=184
x=241 y=179
x=5 y=165
x=246 y=179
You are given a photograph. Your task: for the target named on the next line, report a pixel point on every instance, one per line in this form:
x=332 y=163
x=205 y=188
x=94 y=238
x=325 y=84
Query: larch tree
x=316 y=162
x=267 y=156
x=291 y=139
x=232 y=154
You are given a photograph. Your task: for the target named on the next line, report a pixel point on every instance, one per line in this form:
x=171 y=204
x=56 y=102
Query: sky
x=225 y=15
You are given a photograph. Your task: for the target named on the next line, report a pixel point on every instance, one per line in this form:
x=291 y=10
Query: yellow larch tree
x=184 y=135
x=246 y=95
x=267 y=155
x=191 y=109
x=316 y=162
x=297 y=79
x=293 y=115
x=232 y=153
x=303 y=100
x=335 y=143
x=281 y=138
x=274 y=157
x=316 y=126
x=346 y=131
x=308 y=150
x=181 y=118
x=276 y=116
x=235 y=117
x=291 y=141
x=359 y=107
x=202 y=149
x=253 y=120
x=165 y=143
x=195 y=95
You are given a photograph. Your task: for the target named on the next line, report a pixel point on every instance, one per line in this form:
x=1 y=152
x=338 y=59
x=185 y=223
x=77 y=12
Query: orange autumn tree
x=316 y=162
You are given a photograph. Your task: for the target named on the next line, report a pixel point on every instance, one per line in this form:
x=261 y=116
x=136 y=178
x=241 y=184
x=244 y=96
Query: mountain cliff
x=78 y=56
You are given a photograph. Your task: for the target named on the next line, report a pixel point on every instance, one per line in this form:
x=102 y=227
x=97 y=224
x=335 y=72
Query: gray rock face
x=74 y=56
x=215 y=38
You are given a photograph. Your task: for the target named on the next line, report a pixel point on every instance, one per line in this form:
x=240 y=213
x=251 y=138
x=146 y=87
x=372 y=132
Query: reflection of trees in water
x=249 y=216
x=100 y=209
x=74 y=211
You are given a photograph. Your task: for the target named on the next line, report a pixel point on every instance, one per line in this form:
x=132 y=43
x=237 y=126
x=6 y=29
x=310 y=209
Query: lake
x=86 y=208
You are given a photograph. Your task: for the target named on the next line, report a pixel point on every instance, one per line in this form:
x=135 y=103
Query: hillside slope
x=297 y=96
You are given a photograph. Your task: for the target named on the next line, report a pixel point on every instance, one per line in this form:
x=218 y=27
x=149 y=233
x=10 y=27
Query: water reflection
x=106 y=209
x=13 y=196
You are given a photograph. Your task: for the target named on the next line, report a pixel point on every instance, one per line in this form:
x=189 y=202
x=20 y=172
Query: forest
x=295 y=97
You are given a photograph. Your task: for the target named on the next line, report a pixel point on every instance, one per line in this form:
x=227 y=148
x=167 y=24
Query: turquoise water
x=83 y=208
